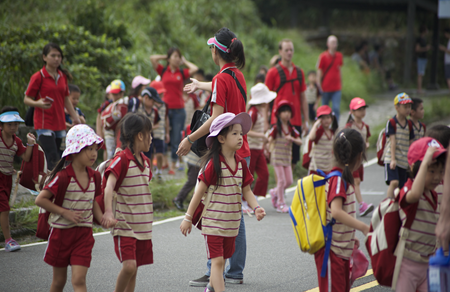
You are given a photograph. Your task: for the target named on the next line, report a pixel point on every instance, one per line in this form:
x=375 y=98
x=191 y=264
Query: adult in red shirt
x=228 y=53
x=293 y=90
x=329 y=75
x=48 y=93
x=173 y=79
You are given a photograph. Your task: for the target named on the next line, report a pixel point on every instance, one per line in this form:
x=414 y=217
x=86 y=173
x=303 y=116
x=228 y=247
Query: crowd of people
x=284 y=110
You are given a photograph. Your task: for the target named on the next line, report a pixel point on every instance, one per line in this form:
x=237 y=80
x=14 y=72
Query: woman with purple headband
x=227 y=51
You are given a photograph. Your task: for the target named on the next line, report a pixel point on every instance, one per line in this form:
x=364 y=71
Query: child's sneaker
x=274 y=198
x=12 y=245
x=365 y=209
x=171 y=172
x=283 y=209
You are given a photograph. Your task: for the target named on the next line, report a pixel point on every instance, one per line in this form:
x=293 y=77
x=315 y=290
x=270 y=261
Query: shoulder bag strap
x=241 y=89
x=329 y=67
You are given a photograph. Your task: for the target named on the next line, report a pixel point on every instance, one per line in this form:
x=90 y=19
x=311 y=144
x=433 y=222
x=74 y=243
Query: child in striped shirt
x=71 y=240
x=224 y=178
x=357 y=113
x=419 y=200
x=281 y=137
x=129 y=201
x=417 y=113
x=349 y=152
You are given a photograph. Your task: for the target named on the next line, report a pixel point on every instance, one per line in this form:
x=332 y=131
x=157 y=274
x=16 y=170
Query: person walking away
x=422 y=47
x=313 y=95
x=133 y=202
x=173 y=78
x=48 y=93
x=322 y=135
x=71 y=239
x=281 y=136
x=223 y=179
x=329 y=75
x=288 y=81
x=349 y=153
x=357 y=113
x=10 y=146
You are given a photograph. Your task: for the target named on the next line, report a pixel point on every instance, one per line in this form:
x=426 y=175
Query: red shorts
x=71 y=246
x=130 y=248
x=5 y=191
x=359 y=173
x=340 y=272
x=219 y=246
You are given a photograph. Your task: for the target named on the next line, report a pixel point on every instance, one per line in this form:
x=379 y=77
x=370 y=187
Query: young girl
x=261 y=97
x=417 y=113
x=281 y=137
x=355 y=122
x=224 y=178
x=71 y=240
x=322 y=135
x=133 y=204
x=349 y=152
x=418 y=199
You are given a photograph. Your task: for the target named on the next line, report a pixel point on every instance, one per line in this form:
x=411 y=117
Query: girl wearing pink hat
x=322 y=136
x=71 y=240
x=357 y=113
x=224 y=177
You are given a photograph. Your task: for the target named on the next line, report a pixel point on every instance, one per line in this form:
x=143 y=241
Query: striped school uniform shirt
x=420 y=132
x=7 y=153
x=364 y=130
x=439 y=191
x=402 y=138
x=160 y=132
x=153 y=116
x=134 y=207
x=421 y=241
x=322 y=153
x=77 y=198
x=258 y=126
x=282 y=149
x=343 y=239
x=223 y=213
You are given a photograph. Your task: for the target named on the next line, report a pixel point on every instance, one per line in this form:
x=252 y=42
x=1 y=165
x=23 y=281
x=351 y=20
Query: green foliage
x=436 y=109
x=164 y=192
x=92 y=60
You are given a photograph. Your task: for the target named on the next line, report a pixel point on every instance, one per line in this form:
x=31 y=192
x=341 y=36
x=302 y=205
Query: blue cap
x=11 y=117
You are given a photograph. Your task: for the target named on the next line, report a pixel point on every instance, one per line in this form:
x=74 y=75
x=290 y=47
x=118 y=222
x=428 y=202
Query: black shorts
x=398 y=173
x=296 y=148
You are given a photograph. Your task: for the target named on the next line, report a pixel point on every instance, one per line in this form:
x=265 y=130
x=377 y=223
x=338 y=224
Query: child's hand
x=366 y=229
x=31 y=139
x=367 y=144
x=185 y=227
x=393 y=164
x=167 y=138
x=428 y=158
x=72 y=216
x=317 y=123
x=108 y=219
x=260 y=213
x=357 y=244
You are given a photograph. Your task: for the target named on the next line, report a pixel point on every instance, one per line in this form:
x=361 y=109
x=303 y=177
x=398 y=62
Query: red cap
x=323 y=110
x=418 y=149
x=159 y=86
x=285 y=102
x=357 y=103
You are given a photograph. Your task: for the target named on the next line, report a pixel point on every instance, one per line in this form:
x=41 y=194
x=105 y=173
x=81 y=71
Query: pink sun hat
x=225 y=120
x=79 y=137
x=139 y=80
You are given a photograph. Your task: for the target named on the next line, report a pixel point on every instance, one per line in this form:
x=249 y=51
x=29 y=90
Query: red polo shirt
x=286 y=92
x=227 y=95
x=332 y=81
x=173 y=82
x=42 y=84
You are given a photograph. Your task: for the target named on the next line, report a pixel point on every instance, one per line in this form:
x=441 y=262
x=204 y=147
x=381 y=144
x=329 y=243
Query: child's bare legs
x=358 y=195
x=4 y=223
x=159 y=160
x=79 y=278
x=216 y=278
x=392 y=186
x=126 y=281
x=284 y=174
x=59 y=279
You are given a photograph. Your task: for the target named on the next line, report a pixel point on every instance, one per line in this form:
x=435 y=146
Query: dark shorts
x=5 y=191
x=398 y=173
x=219 y=246
x=130 y=248
x=447 y=71
x=296 y=148
x=158 y=145
x=312 y=112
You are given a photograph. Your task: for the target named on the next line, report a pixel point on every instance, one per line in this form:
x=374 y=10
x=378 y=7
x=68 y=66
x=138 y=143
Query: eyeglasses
x=211 y=47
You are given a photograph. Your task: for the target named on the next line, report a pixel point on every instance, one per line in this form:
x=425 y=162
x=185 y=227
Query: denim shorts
x=45 y=132
x=421 y=65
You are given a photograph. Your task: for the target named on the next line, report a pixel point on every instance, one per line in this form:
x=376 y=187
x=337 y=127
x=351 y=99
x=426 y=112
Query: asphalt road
x=274 y=261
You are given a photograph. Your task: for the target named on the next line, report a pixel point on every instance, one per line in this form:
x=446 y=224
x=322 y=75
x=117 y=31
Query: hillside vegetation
x=104 y=40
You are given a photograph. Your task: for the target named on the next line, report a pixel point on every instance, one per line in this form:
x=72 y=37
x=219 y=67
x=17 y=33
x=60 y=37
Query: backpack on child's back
x=383 y=141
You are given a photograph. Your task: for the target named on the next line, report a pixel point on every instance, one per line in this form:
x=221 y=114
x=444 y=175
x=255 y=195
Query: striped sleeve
x=336 y=189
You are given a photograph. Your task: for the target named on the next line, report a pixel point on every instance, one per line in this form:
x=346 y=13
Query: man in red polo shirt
x=293 y=90
x=329 y=75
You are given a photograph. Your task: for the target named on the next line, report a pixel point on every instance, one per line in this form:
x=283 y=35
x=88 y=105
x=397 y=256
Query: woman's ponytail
x=235 y=47
x=237 y=53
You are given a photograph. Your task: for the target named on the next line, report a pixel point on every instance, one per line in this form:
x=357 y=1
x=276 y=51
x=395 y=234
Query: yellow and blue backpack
x=308 y=214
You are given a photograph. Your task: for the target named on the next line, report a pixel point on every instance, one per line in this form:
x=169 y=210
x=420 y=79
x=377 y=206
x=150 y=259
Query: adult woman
x=173 y=78
x=228 y=53
x=48 y=93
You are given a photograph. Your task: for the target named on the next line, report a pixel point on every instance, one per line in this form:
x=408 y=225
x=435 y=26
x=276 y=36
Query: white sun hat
x=79 y=137
x=261 y=94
